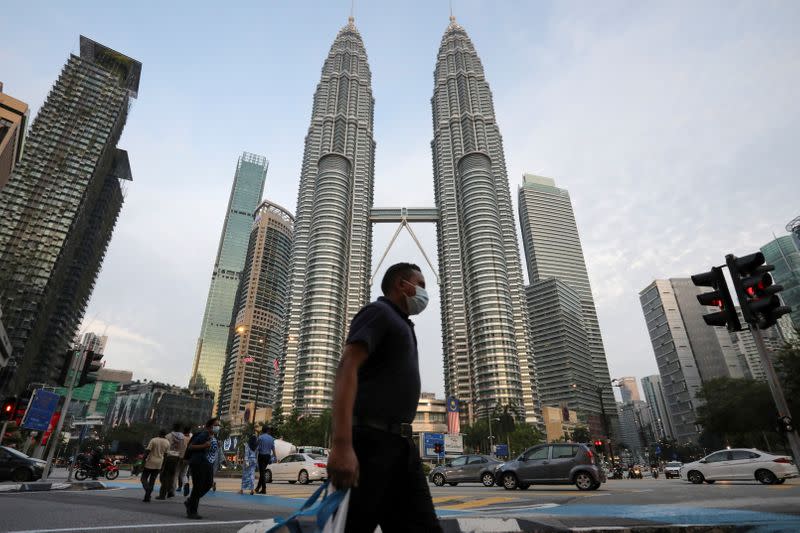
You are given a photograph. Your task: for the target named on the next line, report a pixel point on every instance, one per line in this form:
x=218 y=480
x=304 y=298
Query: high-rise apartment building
x=332 y=250
x=13 y=124
x=209 y=359
x=687 y=351
x=256 y=342
x=784 y=253
x=92 y=342
x=628 y=389
x=59 y=209
x=654 y=395
x=488 y=360
x=558 y=336
x=553 y=250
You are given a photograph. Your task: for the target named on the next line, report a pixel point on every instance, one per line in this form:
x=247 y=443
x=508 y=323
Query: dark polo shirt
x=388 y=381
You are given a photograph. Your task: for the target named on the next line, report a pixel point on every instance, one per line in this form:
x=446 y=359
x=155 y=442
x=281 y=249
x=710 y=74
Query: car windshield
x=18 y=453
x=315 y=456
x=674 y=464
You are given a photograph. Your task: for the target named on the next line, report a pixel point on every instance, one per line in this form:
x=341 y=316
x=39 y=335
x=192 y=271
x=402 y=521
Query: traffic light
x=90 y=367
x=8 y=409
x=758 y=296
x=598 y=444
x=785 y=424
x=437 y=448
x=63 y=376
x=719 y=297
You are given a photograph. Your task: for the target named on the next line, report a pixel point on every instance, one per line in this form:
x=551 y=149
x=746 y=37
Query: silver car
x=552 y=464
x=465 y=469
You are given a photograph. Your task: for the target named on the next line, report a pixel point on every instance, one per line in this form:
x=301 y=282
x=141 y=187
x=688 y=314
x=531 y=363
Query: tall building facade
x=13 y=124
x=654 y=396
x=628 y=389
x=59 y=209
x=553 y=250
x=488 y=360
x=163 y=405
x=256 y=341
x=92 y=342
x=784 y=253
x=558 y=338
x=687 y=351
x=332 y=250
x=246 y=192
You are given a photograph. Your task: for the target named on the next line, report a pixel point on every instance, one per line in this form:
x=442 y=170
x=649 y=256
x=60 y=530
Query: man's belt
x=395 y=428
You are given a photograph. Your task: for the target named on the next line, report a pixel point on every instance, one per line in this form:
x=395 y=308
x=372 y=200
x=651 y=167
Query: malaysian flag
x=275 y=365
x=453 y=424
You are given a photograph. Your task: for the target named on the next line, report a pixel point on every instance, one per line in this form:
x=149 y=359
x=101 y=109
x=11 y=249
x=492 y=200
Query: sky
x=673 y=125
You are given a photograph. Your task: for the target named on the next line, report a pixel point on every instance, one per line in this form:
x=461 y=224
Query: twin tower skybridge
x=403 y=216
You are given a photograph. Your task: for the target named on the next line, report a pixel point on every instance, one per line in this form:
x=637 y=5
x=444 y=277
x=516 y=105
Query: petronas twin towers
x=487 y=355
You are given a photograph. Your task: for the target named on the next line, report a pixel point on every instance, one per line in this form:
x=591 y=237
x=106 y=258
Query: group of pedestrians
x=259 y=452
x=171 y=456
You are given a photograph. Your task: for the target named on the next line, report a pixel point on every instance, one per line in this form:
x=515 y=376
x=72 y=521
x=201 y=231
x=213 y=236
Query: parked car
x=300 y=468
x=740 y=464
x=552 y=464
x=673 y=469
x=17 y=466
x=465 y=469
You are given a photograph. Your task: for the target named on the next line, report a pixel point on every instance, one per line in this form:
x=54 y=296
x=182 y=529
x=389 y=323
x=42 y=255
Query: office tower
x=553 y=250
x=59 y=209
x=628 y=389
x=558 y=337
x=488 y=360
x=784 y=253
x=256 y=340
x=92 y=342
x=13 y=121
x=746 y=345
x=654 y=395
x=209 y=359
x=687 y=351
x=332 y=249
x=631 y=427
x=5 y=344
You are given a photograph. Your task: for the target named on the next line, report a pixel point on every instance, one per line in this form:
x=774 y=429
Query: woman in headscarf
x=250 y=465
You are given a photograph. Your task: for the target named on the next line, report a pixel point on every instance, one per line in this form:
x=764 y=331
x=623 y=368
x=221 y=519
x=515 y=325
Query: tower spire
x=452 y=18
x=351 y=19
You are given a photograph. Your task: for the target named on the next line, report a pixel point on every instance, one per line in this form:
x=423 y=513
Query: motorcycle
x=616 y=473
x=106 y=468
x=138 y=465
x=635 y=473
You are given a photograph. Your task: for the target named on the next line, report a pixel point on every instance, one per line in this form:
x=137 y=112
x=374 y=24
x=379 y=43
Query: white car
x=740 y=464
x=673 y=469
x=300 y=468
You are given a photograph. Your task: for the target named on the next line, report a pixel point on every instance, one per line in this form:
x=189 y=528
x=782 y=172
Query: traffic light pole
x=56 y=434
x=775 y=388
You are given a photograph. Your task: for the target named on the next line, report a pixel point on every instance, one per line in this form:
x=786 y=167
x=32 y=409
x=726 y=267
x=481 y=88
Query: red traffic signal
x=758 y=296
x=598 y=443
x=8 y=408
x=720 y=297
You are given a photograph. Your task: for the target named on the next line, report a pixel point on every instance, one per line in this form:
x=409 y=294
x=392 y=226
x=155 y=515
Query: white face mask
x=417 y=303
x=215 y=429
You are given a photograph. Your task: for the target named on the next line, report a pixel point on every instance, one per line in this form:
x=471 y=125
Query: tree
x=523 y=437
x=131 y=439
x=736 y=412
x=787 y=366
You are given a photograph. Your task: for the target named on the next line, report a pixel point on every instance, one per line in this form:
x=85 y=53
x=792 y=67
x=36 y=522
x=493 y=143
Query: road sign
x=429 y=442
x=501 y=450
x=658 y=450
x=43 y=405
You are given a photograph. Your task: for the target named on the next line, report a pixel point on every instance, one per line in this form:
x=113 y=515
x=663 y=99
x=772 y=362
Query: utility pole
x=776 y=390
x=75 y=367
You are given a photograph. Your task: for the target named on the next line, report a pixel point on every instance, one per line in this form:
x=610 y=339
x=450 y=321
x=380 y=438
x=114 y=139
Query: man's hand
x=343 y=467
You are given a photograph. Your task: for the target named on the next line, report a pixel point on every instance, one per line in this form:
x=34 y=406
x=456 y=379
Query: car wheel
x=695 y=477
x=438 y=480
x=487 y=479
x=523 y=486
x=268 y=476
x=302 y=477
x=509 y=481
x=21 y=475
x=710 y=481
x=583 y=481
x=766 y=477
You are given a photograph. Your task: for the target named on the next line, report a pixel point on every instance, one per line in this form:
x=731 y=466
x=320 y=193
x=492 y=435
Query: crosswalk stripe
x=483 y=502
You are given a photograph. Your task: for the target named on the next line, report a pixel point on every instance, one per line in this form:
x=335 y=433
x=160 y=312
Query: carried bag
x=330 y=510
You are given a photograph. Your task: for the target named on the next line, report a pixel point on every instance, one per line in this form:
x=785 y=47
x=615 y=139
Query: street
x=617 y=503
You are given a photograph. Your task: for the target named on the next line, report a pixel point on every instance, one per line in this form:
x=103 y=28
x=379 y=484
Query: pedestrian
x=249 y=465
x=171 y=462
x=182 y=475
x=203 y=450
x=154 y=457
x=266 y=453
x=375 y=398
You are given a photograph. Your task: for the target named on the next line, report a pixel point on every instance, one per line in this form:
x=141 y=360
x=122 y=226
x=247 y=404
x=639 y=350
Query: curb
x=46 y=486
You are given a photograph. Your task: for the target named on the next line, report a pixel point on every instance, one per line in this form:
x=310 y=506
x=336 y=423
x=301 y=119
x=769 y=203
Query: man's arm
x=342 y=462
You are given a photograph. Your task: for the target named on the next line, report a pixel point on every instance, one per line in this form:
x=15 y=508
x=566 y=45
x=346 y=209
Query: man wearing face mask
x=202 y=451
x=375 y=400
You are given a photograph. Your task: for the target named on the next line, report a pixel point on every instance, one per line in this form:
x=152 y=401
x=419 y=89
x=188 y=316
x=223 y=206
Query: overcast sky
x=672 y=125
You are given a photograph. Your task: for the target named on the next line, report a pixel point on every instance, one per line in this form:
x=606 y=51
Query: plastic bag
x=325 y=511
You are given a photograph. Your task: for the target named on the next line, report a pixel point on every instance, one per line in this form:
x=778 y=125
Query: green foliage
x=133 y=438
x=787 y=366
x=670 y=448
x=523 y=437
x=304 y=430
x=581 y=434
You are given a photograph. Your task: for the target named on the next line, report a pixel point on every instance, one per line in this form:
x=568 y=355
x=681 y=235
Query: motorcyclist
x=96 y=458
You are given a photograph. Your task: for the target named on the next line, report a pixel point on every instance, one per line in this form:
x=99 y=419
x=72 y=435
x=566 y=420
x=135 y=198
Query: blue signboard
x=429 y=442
x=501 y=450
x=658 y=450
x=41 y=409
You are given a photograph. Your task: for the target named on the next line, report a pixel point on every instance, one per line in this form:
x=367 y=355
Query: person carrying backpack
x=202 y=452
x=171 y=463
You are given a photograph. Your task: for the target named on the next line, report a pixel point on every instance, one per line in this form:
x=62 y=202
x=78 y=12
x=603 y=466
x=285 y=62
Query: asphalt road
x=617 y=503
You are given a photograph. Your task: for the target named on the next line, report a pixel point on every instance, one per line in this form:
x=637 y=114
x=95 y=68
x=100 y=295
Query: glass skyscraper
x=59 y=209
x=784 y=253
x=256 y=342
x=248 y=186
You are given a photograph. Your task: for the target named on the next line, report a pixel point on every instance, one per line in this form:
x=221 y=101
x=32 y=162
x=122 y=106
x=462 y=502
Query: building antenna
x=352 y=10
x=452 y=18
